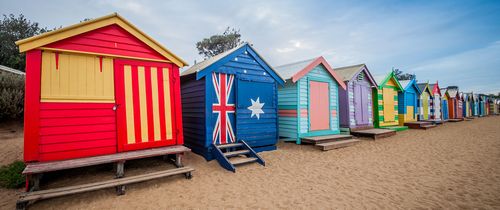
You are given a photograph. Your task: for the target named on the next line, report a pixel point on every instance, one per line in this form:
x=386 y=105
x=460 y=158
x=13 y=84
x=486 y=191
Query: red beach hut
x=99 y=87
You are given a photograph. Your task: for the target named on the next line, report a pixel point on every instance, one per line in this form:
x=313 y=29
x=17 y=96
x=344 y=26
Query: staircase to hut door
x=144 y=104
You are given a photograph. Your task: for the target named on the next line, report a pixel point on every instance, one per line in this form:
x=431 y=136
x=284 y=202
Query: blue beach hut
x=230 y=107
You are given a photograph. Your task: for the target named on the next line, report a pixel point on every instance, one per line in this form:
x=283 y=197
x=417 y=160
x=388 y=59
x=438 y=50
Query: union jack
x=223 y=130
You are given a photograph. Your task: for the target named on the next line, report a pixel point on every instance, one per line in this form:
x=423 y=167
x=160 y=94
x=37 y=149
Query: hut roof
x=297 y=70
x=93 y=24
x=212 y=61
x=453 y=92
x=381 y=80
x=348 y=73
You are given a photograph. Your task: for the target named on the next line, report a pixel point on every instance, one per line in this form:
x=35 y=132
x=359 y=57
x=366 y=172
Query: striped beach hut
x=444 y=104
x=475 y=104
x=424 y=102
x=230 y=107
x=455 y=103
x=435 y=102
x=467 y=104
x=408 y=101
x=385 y=100
x=309 y=101
x=356 y=106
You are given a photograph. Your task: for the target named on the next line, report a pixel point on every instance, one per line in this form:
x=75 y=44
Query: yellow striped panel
x=78 y=77
x=142 y=103
x=168 y=111
x=129 y=104
x=156 y=108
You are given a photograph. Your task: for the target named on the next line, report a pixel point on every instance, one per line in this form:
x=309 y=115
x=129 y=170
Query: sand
x=456 y=165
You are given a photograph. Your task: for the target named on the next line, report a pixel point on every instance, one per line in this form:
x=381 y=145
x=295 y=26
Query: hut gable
x=356 y=72
x=243 y=60
x=110 y=35
x=296 y=71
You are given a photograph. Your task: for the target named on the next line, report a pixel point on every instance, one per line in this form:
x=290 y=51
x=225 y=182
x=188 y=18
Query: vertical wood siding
x=390 y=99
x=76 y=77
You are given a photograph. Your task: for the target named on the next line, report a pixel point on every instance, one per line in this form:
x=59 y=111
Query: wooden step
x=225 y=146
x=425 y=127
x=57 y=192
x=325 y=139
x=240 y=161
x=236 y=153
x=337 y=144
x=374 y=133
x=42 y=167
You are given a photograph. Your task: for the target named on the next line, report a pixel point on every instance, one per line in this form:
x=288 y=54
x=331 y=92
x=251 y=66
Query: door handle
x=115 y=107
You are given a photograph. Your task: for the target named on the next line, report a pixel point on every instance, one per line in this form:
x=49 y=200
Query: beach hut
x=444 y=104
x=311 y=89
x=385 y=100
x=408 y=101
x=231 y=106
x=435 y=102
x=424 y=102
x=99 y=87
x=467 y=104
x=493 y=105
x=355 y=102
x=98 y=92
x=455 y=103
x=475 y=104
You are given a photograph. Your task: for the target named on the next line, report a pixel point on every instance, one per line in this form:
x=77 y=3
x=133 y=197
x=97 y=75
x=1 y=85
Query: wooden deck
x=337 y=144
x=419 y=125
x=34 y=168
x=325 y=139
x=397 y=128
x=456 y=120
x=33 y=172
x=375 y=133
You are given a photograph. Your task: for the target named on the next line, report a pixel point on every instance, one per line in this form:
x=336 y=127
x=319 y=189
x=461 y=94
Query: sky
x=453 y=42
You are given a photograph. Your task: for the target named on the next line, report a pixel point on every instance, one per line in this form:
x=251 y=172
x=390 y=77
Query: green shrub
x=11 y=175
x=11 y=96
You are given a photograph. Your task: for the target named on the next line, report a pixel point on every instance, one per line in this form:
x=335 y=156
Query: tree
x=219 y=43
x=14 y=28
x=403 y=76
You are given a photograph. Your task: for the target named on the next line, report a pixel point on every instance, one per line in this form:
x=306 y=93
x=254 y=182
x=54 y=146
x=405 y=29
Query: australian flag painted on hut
x=230 y=97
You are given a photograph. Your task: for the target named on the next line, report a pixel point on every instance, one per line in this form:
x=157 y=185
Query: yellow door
x=410 y=114
x=388 y=101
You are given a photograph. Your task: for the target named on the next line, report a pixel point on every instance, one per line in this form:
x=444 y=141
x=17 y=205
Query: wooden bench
x=33 y=172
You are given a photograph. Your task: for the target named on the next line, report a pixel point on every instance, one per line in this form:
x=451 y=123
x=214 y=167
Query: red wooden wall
x=72 y=130
x=112 y=40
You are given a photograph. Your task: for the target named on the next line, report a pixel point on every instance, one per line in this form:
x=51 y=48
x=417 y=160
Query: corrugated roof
x=288 y=70
x=11 y=70
x=348 y=72
x=204 y=64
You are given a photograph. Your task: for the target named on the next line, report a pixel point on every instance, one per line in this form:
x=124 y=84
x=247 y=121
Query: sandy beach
x=453 y=166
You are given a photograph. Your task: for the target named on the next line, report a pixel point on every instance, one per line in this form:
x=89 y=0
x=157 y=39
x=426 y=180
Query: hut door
x=319 y=106
x=143 y=104
x=361 y=104
x=388 y=100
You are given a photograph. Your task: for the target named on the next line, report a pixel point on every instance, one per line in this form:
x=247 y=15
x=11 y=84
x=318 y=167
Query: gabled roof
x=435 y=87
x=453 y=92
x=297 y=70
x=86 y=26
x=382 y=80
x=203 y=68
x=348 y=73
x=445 y=92
x=407 y=84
